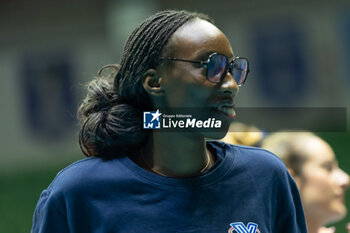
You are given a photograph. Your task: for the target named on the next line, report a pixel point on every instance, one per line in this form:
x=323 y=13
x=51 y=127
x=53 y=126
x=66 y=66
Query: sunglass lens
x=240 y=70
x=216 y=67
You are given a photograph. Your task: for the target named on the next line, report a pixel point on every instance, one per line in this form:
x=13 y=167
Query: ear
x=152 y=82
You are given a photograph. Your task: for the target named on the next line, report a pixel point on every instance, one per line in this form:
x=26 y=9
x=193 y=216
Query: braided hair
x=111 y=114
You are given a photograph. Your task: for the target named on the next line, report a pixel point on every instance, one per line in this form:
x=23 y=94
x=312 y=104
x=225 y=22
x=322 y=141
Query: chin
x=215 y=135
x=338 y=212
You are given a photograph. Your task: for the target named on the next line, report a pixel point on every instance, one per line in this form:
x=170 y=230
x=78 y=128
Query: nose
x=229 y=84
x=343 y=179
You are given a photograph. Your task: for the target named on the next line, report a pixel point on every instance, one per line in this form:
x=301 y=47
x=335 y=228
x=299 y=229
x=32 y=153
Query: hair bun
x=101 y=95
x=108 y=124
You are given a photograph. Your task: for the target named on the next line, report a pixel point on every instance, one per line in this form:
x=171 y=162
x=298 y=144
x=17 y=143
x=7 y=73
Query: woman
x=154 y=181
x=321 y=182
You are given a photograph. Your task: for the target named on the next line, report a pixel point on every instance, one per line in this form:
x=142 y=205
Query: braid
x=143 y=50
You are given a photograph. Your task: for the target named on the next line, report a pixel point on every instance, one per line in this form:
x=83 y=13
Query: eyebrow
x=328 y=162
x=204 y=54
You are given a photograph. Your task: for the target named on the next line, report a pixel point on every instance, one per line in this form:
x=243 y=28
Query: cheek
x=317 y=186
x=187 y=96
x=319 y=194
x=187 y=89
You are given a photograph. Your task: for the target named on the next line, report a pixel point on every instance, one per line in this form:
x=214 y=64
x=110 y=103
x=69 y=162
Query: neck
x=177 y=155
x=313 y=224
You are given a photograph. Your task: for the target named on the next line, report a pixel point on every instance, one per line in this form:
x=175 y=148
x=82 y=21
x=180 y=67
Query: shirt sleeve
x=48 y=217
x=290 y=216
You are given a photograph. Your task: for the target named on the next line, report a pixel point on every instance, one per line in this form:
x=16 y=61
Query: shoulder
x=86 y=175
x=257 y=154
x=251 y=154
x=254 y=158
x=264 y=167
x=81 y=183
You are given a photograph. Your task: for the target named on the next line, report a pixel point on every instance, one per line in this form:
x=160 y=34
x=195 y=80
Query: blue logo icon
x=239 y=227
x=151 y=120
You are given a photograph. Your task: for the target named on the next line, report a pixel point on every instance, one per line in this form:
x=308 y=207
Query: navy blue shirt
x=248 y=190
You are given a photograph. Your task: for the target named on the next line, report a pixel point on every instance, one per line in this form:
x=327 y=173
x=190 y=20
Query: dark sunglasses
x=217 y=66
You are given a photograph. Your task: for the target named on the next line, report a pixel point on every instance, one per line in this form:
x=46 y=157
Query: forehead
x=318 y=150
x=198 y=38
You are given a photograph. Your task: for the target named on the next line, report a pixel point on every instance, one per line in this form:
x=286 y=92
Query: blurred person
x=321 y=183
x=137 y=180
x=243 y=134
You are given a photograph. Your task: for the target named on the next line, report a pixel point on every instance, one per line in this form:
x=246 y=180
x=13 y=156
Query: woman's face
x=185 y=84
x=323 y=183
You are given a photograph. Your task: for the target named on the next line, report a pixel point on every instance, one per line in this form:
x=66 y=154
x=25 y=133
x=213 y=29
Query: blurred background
x=299 y=54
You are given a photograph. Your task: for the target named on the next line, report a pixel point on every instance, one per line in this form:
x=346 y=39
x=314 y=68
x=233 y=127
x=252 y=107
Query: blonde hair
x=288 y=146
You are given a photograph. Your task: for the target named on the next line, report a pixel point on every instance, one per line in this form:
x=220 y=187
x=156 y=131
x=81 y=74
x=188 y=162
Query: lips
x=226 y=107
x=228 y=110
x=341 y=198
